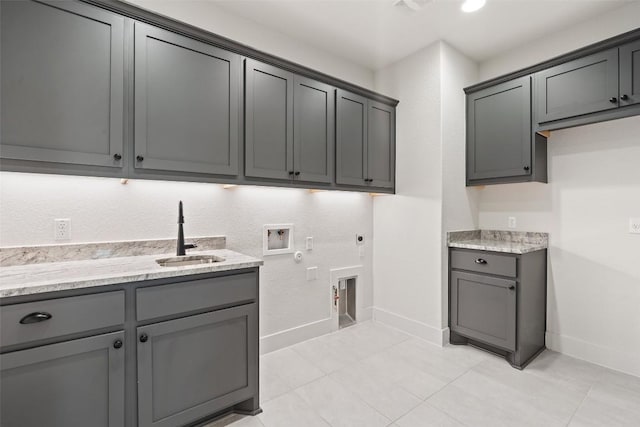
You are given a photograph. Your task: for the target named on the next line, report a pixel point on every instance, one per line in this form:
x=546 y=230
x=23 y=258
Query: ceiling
x=375 y=33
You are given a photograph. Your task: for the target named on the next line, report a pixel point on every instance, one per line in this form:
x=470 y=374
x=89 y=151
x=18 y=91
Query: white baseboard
x=429 y=333
x=292 y=336
x=608 y=357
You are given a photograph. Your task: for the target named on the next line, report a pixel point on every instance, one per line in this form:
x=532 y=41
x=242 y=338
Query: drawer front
x=484 y=308
x=58 y=317
x=176 y=298
x=484 y=262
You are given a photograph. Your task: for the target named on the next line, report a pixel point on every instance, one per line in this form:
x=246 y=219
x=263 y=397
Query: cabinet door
x=76 y=383
x=484 y=308
x=313 y=130
x=583 y=86
x=351 y=139
x=381 y=145
x=62 y=79
x=630 y=74
x=192 y=367
x=499 y=131
x=186 y=104
x=268 y=121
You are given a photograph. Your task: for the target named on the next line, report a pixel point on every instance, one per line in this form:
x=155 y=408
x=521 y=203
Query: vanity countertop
x=513 y=242
x=58 y=276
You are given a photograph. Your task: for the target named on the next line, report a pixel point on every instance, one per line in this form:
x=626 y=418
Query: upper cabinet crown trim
x=187 y=30
x=610 y=43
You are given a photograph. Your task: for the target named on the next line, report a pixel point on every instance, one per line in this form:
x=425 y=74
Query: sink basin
x=180 y=261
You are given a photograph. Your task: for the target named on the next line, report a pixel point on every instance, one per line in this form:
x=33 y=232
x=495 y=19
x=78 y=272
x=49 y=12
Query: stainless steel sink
x=180 y=261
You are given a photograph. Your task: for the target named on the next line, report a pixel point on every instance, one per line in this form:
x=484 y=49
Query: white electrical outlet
x=634 y=225
x=512 y=222
x=312 y=273
x=62 y=229
x=361 y=251
x=309 y=243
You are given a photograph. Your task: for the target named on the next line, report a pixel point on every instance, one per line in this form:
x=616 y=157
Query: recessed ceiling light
x=472 y=5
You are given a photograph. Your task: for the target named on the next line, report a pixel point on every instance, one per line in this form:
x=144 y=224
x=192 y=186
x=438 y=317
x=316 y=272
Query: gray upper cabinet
x=73 y=383
x=381 y=148
x=192 y=367
x=365 y=141
x=268 y=121
x=579 y=87
x=499 y=132
x=351 y=138
x=630 y=74
x=313 y=130
x=186 y=104
x=62 y=77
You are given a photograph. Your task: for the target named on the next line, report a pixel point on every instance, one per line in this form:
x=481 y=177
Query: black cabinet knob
x=144 y=338
x=526 y=168
x=511 y=287
x=117 y=344
x=613 y=100
x=290 y=172
x=117 y=156
x=624 y=97
x=368 y=180
x=139 y=158
x=297 y=173
x=481 y=261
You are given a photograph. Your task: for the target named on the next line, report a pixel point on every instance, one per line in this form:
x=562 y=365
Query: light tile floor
x=372 y=375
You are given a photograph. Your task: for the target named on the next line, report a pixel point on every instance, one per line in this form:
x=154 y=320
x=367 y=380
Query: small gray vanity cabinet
x=498 y=302
x=501 y=145
x=62 y=87
x=167 y=352
x=186 y=104
x=70 y=382
x=288 y=126
x=607 y=81
x=365 y=141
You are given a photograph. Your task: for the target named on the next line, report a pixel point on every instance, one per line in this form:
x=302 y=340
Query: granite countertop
x=513 y=242
x=58 y=276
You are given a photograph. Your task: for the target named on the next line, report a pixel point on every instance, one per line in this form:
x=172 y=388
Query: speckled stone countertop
x=58 y=276
x=513 y=242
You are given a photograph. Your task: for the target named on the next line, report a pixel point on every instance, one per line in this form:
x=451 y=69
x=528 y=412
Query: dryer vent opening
x=347 y=302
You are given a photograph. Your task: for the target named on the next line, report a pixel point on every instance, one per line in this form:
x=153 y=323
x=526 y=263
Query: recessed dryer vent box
x=277 y=239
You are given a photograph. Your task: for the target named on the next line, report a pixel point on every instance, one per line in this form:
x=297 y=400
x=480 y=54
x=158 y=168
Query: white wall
x=594 y=187
x=208 y=16
x=409 y=246
x=102 y=209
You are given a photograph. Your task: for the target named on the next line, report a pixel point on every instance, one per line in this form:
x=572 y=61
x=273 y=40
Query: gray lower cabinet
x=501 y=145
x=365 y=141
x=73 y=383
x=186 y=104
x=289 y=125
x=62 y=74
x=195 y=366
x=497 y=302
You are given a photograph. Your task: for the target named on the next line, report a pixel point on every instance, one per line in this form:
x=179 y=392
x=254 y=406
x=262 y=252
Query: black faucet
x=181 y=245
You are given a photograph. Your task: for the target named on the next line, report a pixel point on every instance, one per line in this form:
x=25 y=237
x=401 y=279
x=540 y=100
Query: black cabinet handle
x=144 y=338
x=624 y=97
x=297 y=173
x=368 y=180
x=139 y=158
x=526 y=168
x=39 y=316
x=481 y=261
x=117 y=156
x=290 y=172
x=117 y=344
x=613 y=100
x=511 y=287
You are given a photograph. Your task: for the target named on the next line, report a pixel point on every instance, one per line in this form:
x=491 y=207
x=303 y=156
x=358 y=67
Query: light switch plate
x=361 y=251
x=309 y=243
x=312 y=273
x=634 y=225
